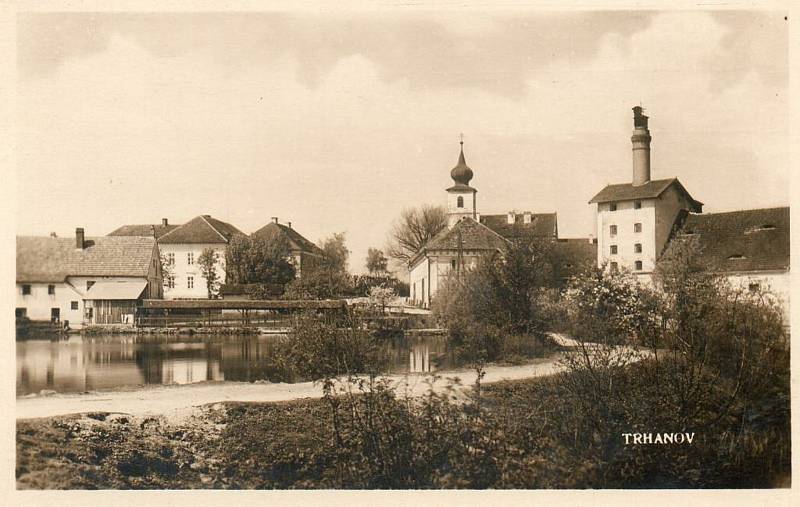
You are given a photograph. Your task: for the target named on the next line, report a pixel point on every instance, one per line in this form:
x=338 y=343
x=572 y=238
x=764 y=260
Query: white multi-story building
x=637 y=221
x=181 y=247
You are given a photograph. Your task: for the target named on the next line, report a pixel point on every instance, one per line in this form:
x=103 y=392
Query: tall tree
x=208 y=268
x=334 y=253
x=376 y=261
x=414 y=228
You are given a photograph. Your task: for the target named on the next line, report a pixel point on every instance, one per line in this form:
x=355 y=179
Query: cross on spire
x=461 y=137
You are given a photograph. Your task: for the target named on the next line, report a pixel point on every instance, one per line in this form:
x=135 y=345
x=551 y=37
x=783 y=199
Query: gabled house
x=182 y=247
x=83 y=281
x=304 y=253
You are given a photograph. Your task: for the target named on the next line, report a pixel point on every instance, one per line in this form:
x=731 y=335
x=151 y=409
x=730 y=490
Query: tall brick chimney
x=641 y=148
x=79 y=242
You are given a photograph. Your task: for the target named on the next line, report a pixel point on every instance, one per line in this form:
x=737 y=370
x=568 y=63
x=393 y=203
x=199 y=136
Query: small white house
x=82 y=281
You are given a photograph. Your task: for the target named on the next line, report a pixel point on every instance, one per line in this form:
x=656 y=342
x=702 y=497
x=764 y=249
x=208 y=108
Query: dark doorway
x=55 y=315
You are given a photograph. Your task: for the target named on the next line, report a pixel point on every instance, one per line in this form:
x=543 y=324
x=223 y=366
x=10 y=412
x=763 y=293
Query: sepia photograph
x=402 y=247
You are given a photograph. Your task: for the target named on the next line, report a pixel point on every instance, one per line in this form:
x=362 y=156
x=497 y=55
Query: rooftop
x=201 y=229
x=741 y=241
x=650 y=190
x=49 y=259
x=147 y=230
x=297 y=242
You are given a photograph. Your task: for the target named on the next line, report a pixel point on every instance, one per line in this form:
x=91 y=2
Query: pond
x=106 y=362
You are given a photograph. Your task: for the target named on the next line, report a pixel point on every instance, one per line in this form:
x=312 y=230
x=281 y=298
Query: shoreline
x=179 y=402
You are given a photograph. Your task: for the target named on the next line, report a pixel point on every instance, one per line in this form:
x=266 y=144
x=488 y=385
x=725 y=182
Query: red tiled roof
x=201 y=229
x=739 y=241
x=48 y=259
x=146 y=230
x=650 y=190
x=297 y=243
x=542 y=224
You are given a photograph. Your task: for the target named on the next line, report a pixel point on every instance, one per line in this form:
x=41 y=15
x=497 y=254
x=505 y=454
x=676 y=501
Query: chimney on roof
x=79 y=238
x=53 y=235
x=526 y=217
x=164 y=222
x=274 y=220
x=153 y=230
x=512 y=217
x=641 y=147
x=289 y=225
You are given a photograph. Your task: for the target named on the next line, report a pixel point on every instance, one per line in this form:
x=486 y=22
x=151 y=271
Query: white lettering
x=658 y=438
x=690 y=437
x=679 y=438
x=637 y=438
x=647 y=438
x=627 y=436
x=669 y=438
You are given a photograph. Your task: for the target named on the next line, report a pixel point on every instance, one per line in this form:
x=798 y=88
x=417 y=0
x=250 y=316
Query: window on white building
x=51 y=289
x=637 y=265
x=614 y=267
x=637 y=204
x=73 y=305
x=613 y=249
x=170 y=282
x=460 y=202
x=637 y=227
x=637 y=248
x=190 y=258
x=26 y=290
x=612 y=206
x=612 y=229
x=754 y=286
x=171 y=258
x=190 y=282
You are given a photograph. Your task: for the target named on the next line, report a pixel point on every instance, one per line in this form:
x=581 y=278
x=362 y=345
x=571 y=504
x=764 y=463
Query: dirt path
x=177 y=403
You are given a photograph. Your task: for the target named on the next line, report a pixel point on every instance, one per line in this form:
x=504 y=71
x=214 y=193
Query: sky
x=336 y=122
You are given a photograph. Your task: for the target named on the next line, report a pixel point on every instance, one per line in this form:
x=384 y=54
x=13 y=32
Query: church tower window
x=460 y=201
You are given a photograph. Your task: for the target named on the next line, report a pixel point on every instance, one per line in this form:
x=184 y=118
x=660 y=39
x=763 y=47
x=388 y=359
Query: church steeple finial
x=461 y=173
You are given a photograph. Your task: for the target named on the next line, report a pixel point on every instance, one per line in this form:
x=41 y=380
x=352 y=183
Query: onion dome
x=461 y=173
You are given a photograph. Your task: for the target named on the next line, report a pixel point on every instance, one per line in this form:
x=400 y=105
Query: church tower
x=461 y=198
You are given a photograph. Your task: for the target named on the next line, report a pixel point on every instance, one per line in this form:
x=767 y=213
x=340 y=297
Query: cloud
x=337 y=124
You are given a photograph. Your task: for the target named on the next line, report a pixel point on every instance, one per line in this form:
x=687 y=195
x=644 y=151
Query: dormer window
x=460 y=201
x=612 y=206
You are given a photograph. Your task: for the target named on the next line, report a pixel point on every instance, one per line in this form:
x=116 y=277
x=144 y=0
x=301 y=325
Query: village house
x=637 y=221
x=85 y=281
x=304 y=253
x=470 y=235
x=181 y=247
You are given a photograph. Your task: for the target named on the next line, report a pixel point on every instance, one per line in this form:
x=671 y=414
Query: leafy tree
x=334 y=254
x=167 y=269
x=414 y=228
x=208 y=268
x=376 y=261
x=264 y=259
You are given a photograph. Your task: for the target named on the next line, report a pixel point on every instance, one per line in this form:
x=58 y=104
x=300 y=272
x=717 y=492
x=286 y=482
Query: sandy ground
x=178 y=402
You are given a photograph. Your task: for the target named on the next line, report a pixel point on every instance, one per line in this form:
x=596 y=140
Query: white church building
x=470 y=235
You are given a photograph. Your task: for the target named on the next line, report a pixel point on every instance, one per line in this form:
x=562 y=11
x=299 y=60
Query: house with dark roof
x=470 y=236
x=82 y=281
x=181 y=248
x=638 y=221
x=304 y=253
x=146 y=230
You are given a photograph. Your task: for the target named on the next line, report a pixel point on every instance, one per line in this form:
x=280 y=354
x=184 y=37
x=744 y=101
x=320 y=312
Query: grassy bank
x=525 y=434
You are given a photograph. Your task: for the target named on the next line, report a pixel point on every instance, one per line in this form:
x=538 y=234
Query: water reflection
x=80 y=364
